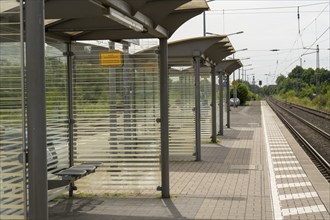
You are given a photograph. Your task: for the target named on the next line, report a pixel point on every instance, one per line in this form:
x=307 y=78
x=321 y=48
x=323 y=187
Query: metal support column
x=221 y=103
x=36 y=110
x=227 y=100
x=197 y=59
x=71 y=121
x=317 y=57
x=165 y=173
x=214 y=106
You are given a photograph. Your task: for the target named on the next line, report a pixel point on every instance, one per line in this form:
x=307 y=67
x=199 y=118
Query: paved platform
x=257 y=171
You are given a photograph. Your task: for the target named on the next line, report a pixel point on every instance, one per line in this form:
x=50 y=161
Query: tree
x=280 y=79
x=308 y=76
x=242 y=93
x=296 y=72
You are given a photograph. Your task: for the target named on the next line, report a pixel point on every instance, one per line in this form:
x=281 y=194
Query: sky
x=268 y=26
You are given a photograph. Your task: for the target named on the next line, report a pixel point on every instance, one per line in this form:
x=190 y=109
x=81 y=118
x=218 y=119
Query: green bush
x=243 y=93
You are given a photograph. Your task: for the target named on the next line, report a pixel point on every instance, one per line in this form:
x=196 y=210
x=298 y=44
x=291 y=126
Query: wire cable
x=267 y=8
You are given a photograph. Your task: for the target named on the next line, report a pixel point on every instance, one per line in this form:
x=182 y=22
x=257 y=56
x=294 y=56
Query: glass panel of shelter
x=12 y=172
x=116 y=111
x=182 y=113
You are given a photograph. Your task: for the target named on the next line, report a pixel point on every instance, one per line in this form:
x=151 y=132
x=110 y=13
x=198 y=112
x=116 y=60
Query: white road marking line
x=281 y=149
x=287 y=168
x=290 y=176
x=281 y=153
x=275 y=198
x=284 y=157
x=288 y=185
x=303 y=210
x=286 y=162
x=298 y=196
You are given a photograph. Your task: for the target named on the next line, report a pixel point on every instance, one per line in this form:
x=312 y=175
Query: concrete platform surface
x=257 y=171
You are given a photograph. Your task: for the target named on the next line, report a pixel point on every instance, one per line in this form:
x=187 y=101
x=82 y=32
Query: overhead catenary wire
x=314 y=20
x=300 y=35
x=303 y=30
x=212 y=13
x=268 y=8
x=305 y=53
x=309 y=48
x=269 y=0
x=298 y=15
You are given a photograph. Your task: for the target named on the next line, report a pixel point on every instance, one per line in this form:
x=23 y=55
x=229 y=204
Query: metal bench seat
x=69 y=175
x=87 y=167
x=72 y=172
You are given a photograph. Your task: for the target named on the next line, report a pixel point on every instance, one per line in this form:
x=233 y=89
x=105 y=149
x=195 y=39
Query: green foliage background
x=308 y=87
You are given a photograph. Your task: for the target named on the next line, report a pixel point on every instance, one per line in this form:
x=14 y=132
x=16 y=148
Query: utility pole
x=204 y=20
x=317 y=51
x=204 y=24
x=317 y=57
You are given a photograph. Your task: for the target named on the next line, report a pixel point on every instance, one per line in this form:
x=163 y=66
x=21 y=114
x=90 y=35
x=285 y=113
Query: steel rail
x=320 y=131
x=324 y=165
x=320 y=114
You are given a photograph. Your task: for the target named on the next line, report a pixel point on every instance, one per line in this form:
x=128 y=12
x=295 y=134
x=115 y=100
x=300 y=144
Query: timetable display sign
x=112 y=58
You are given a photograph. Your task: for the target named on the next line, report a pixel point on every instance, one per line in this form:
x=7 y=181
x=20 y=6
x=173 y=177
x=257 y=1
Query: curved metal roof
x=213 y=48
x=228 y=66
x=111 y=19
x=119 y=19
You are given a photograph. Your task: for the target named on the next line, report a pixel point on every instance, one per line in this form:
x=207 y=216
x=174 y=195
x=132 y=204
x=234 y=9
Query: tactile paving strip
x=292 y=192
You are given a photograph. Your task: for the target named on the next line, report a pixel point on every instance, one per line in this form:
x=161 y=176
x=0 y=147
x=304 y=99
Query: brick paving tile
x=231 y=182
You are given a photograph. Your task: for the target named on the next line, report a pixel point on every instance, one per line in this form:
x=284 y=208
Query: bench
x=71 y=174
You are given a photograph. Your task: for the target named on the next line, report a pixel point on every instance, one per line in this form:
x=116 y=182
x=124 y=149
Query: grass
x=217 y=141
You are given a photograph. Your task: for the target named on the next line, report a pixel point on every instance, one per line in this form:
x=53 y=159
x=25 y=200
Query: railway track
x=312 y=111
x=311 y=129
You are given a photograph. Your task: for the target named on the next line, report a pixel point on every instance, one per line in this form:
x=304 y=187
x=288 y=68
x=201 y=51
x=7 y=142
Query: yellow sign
x=205 y=76
x=112 y=58
x=234 y=82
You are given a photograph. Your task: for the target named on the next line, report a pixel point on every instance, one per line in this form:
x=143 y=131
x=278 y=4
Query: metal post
x=221 y=102
x=36 y=110
x=71 y=121
x=234 y=90
x=204 y=24
x=196 y=56
x=214 y=107
x=317 y=57
x=234 y=87
x=165 y=173
x=227 y=100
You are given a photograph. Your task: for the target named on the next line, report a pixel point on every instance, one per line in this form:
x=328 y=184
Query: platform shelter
x=224 y=69
x=54 y=97
x=192 y=75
